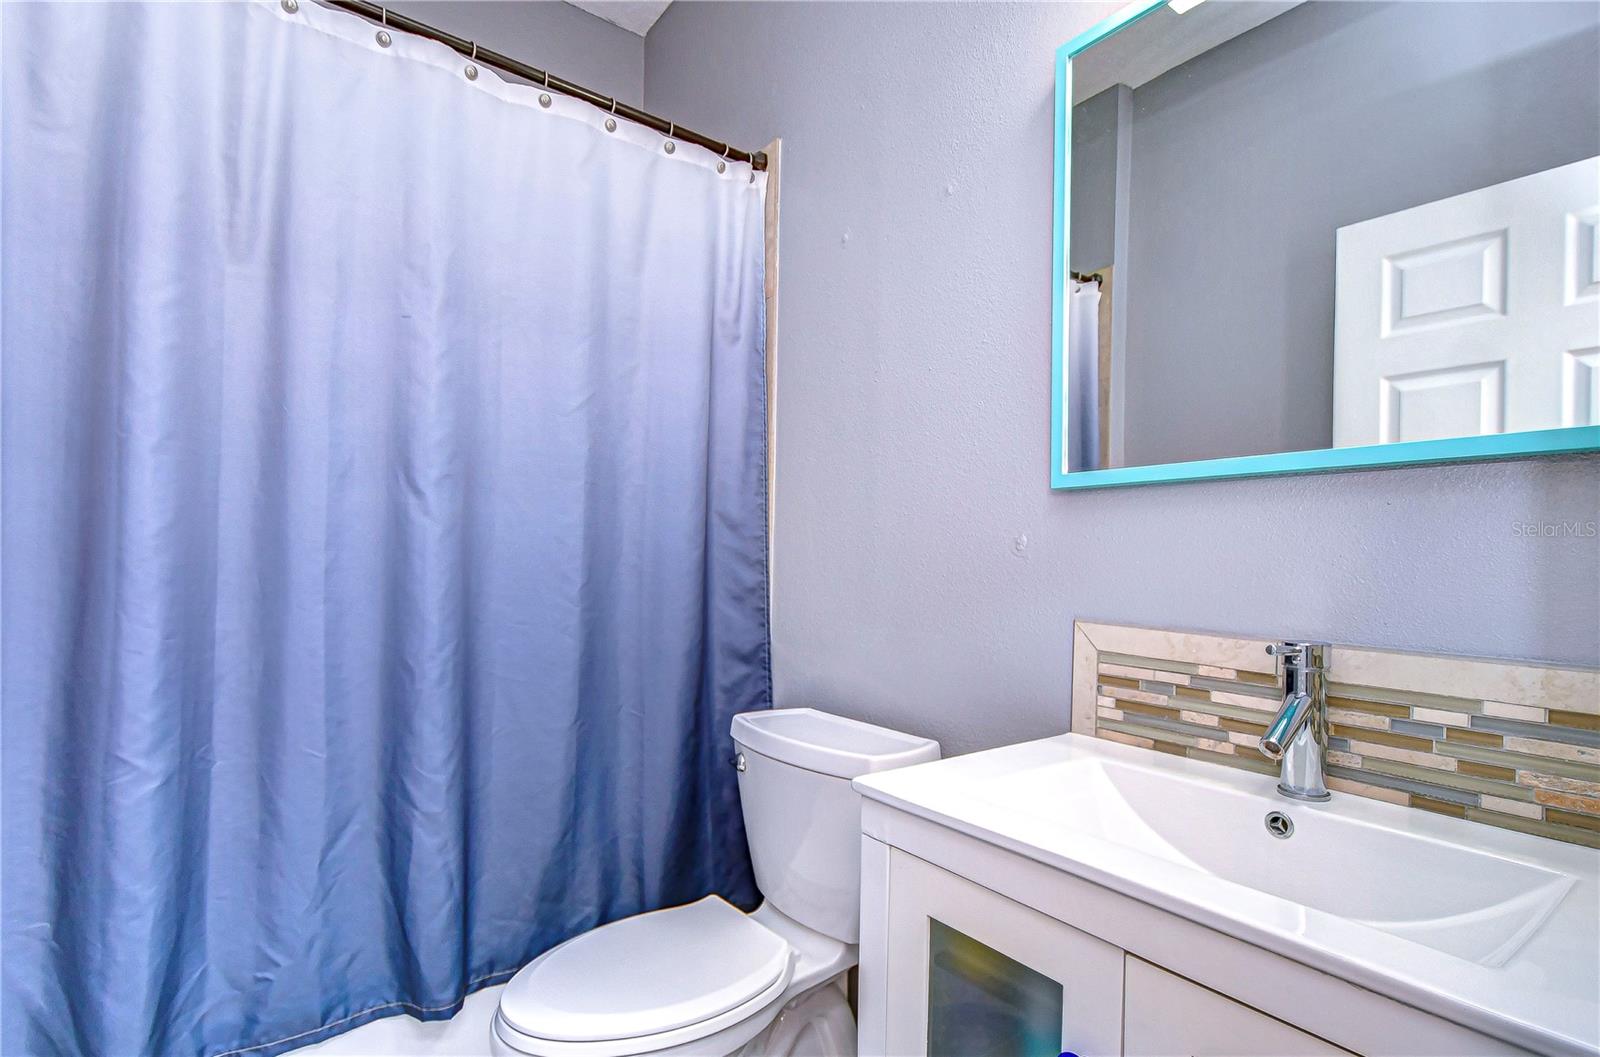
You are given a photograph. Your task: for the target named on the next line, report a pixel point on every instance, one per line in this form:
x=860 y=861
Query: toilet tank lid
x=828 y=744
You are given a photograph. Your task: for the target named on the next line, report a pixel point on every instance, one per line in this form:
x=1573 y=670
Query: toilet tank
x=802 y=818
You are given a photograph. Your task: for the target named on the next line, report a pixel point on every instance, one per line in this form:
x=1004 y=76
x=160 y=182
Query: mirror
x=1324 y=235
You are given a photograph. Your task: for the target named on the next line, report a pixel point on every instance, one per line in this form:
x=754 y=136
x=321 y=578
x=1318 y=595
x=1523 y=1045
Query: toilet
x=706 y=978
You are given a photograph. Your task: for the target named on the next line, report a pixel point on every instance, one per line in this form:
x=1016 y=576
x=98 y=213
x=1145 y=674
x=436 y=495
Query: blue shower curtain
x=383 y=524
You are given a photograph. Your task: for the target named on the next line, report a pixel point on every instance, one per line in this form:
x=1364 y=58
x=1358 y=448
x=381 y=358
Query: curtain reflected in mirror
x=1089 y=385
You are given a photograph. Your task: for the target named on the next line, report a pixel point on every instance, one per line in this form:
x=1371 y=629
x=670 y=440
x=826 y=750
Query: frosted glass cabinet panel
x=981 y=1002
x=974 y=974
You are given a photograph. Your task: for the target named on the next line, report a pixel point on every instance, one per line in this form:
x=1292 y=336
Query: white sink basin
x=1490 y=908
x=1493 y=929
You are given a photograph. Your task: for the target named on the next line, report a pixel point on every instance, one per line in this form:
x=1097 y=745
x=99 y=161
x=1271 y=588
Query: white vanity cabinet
x=972 y=973
x=1072 y=895
x=1165 y=1015
x=969 y=950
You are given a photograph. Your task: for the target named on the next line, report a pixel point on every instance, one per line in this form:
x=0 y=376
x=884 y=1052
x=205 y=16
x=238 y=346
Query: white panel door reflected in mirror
x=1440 y=330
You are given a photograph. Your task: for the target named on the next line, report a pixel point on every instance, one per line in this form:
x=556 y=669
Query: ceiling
x=1165 y=40
x=635 y=16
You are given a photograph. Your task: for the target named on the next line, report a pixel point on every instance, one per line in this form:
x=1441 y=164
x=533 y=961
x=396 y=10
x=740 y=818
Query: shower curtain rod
x=546 y=79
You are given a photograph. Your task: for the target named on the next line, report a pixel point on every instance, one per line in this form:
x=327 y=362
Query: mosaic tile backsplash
x=1510 y=745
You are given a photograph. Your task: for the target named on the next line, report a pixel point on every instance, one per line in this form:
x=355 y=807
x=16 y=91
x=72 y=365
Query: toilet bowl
x=706 y=978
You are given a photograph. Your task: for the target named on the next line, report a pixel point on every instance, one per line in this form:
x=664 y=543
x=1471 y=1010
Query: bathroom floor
x=464 y=1035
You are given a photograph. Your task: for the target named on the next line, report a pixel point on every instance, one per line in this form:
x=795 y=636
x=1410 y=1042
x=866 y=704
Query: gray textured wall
x=551 y=36
x=1247 y=159
x=925 y=575
x=1094 y=181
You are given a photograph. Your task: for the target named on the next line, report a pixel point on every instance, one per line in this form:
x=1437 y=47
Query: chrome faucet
x=1298 y=735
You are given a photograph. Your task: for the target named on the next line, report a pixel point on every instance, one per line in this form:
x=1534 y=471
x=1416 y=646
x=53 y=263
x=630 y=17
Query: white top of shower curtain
x=408 y=47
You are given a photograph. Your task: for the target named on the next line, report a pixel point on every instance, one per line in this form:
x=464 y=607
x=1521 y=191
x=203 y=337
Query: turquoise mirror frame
x=1407 y=453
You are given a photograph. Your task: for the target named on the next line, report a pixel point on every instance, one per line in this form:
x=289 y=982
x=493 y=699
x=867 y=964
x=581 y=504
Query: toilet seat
x=646 y=983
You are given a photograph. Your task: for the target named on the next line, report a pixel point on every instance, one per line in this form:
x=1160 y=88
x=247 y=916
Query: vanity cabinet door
x=974 y=974
x=1167 y=1015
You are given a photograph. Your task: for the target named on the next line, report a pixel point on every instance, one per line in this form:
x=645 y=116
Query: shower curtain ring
x=384 y=12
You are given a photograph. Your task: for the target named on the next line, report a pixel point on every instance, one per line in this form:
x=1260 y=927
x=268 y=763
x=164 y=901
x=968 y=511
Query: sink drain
x=1280 y=825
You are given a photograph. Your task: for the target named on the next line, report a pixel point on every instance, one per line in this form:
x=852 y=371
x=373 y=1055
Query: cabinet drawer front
x=1169 y=1016
x=974 y=974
